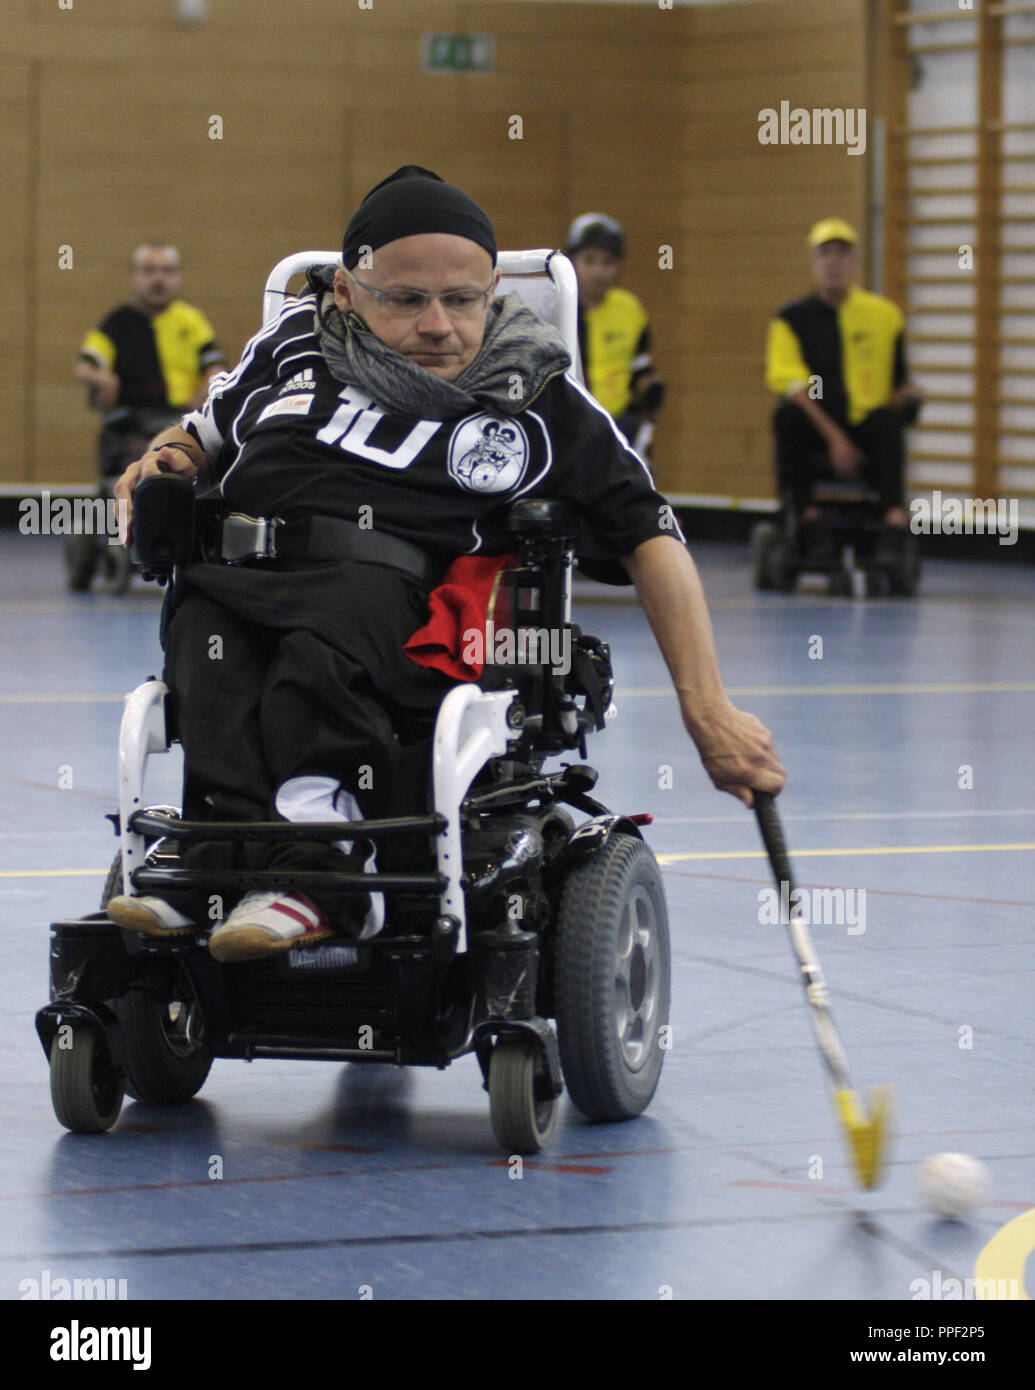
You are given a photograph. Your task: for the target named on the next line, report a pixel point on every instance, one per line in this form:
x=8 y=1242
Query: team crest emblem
x=488 y=455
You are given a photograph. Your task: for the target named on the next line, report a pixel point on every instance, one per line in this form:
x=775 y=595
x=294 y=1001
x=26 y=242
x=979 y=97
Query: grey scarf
x=519 y=355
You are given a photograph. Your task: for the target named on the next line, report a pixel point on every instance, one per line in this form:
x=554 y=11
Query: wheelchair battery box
x=88 y=960
x=163 y=523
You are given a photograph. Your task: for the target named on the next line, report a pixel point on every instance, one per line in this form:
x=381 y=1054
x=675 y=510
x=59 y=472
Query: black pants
x=258 y=706
x=802 y=458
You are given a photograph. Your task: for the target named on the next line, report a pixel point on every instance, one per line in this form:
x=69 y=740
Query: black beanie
x=410 y=202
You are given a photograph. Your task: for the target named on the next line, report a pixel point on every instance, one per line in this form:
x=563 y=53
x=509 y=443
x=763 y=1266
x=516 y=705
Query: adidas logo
x=301 y=381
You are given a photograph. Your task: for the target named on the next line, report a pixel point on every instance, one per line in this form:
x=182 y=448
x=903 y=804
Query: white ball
x=952 y=1185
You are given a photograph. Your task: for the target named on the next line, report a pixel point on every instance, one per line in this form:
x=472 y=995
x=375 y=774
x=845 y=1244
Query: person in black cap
x=381 y=426
x=836 y=358
x=614 y=333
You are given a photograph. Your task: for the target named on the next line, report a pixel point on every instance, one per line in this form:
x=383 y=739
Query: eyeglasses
x=408 y=304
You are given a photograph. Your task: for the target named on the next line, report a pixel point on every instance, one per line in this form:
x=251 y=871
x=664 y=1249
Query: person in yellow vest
x=149 y=360
x=614 y=332
x=837 y=358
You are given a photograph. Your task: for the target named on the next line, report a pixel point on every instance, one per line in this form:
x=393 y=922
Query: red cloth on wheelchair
x=457 y=608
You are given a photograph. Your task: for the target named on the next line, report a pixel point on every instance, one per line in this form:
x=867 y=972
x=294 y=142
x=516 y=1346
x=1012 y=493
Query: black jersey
x=288 y=439
x=855 y=351
x=160 y=359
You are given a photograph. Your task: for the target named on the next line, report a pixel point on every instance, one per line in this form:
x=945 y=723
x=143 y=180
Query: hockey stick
x=866 y=1137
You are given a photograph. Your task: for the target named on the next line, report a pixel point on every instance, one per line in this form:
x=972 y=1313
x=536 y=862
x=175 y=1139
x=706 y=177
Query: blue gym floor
x=345 y=1182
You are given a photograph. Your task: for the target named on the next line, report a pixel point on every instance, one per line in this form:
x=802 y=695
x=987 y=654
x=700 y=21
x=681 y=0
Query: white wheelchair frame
x=471 y=726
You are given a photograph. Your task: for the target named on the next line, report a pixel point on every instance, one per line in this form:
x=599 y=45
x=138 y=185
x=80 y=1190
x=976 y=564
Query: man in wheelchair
x=373 y=433
x=837 y=360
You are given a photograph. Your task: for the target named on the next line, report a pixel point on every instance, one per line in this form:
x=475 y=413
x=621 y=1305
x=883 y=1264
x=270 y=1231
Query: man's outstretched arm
x=736 y=748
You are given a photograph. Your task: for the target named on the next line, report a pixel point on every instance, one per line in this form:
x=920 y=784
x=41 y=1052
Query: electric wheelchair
x=531 y=936
x=862 y=556
x=124 y=436
x=856 y=551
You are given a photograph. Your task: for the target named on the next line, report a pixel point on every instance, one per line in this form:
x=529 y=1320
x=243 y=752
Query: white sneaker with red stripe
x=152 y=916
x=264 y=923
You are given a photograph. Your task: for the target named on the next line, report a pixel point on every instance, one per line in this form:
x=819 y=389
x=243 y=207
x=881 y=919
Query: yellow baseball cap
x=832 y=229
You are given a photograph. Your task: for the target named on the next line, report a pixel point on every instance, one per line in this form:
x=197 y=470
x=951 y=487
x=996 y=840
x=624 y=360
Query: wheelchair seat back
x=544 y=280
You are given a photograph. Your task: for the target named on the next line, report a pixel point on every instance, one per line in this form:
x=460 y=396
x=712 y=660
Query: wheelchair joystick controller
x=163 y=524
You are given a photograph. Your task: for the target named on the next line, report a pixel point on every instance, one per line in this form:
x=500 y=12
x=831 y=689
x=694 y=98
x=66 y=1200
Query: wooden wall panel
x=650 y=115
x=745 y=211
x=17 y=324
x=233 y=206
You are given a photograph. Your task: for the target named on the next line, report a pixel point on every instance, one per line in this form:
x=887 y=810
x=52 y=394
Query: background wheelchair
x=124 y=436
x=507 y=915
x=861 y=559
x=858 y=553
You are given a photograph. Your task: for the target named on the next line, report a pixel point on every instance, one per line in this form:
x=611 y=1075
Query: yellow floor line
x=674 y=858
x=61 y=699
x=640 y=692
x=1004 y=1257
x=643 y=692
x=834 y=853
x=52 y=873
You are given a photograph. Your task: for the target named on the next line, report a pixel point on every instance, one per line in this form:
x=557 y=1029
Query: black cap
x=410 y=202
x=596 y=229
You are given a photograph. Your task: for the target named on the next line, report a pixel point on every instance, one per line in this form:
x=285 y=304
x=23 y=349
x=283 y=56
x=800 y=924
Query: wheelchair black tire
x=779 y=567
x=522 y=1122
x=763 y=536
x=116 y=570
x=163 y=1065
x=85 y=1090
x=81 y=556
x=904 y=574
x=618 y=889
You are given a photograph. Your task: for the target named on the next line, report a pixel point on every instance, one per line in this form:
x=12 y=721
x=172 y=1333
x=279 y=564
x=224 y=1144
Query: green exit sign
x=458 y=52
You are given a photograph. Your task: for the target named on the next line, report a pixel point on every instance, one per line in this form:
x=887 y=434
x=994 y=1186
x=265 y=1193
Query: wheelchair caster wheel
x=780 y=569
x=878 y=584
x=772 y=559
x=81 y=556
x=116 y=569
x=904 y=574
x=522 y=1122
x=84 y=1086
x=764 y=536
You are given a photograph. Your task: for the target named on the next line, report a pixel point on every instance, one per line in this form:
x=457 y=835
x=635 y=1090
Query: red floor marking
x=825 y=1187
x=787 y=1186
x=497 y=1163
x=948 y=1133
x=550 y=1167
x=696 y=1148
x=288 y=1177
x=329 y=1148
x=635 y=1153
x=217 y=1182
x=805 y=1139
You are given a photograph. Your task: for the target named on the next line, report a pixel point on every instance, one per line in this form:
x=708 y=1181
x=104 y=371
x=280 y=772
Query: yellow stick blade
x=867 y=1138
